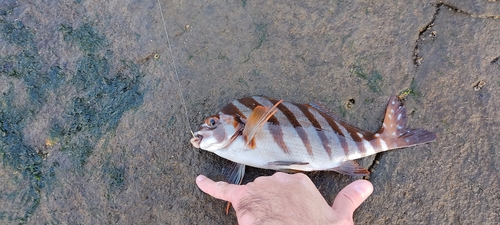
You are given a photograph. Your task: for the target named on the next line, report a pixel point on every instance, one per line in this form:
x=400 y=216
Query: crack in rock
x=417 y=59
x=495 y=60
x=457 y=10
x=374 y=163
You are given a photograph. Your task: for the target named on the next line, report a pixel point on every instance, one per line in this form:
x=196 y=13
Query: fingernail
x=200 y=178
x=362 y=189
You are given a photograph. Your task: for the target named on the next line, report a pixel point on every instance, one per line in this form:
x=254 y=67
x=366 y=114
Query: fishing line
x=175 y=69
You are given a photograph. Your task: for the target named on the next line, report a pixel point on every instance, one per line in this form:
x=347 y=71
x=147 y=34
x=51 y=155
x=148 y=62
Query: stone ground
x=93 y=129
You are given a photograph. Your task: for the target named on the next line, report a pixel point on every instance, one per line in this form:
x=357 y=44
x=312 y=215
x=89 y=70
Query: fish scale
x=310 y=134
x=301 y=136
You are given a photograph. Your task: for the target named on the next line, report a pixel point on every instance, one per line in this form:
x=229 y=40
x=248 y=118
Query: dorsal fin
x=321 y=108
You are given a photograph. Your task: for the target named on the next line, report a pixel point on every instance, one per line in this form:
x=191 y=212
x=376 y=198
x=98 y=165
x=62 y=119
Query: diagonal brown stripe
x=289 y=115
x=300 y=130
x=274 y=125
x=303 y=136
x=277 y=134
x=231 y=109
x=251 y=103
x=335 y=128
x=319 y=129
x=354 y=135
x=375 y=144
x=309 y=116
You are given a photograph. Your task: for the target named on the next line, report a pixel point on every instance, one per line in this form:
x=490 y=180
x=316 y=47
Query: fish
x=272 y=134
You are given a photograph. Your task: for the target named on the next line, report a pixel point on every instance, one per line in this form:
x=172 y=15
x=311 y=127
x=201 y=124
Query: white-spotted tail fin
x=395 y=134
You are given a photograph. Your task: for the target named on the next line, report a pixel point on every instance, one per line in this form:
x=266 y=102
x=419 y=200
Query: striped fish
x=271 y=134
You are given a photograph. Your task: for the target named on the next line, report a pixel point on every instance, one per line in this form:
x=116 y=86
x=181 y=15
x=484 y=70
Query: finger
x=352 y=196
x=220 y=190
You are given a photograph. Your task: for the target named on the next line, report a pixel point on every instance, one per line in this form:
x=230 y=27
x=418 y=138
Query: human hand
x=287 y=199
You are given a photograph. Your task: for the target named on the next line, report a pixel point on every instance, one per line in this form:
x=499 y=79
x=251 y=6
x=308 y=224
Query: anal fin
x=286 y=163
x=351 y=168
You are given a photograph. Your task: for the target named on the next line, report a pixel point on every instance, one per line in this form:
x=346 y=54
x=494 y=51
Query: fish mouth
x=195 y=141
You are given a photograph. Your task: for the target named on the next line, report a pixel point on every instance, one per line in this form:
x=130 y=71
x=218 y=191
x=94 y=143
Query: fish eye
x=211 y=121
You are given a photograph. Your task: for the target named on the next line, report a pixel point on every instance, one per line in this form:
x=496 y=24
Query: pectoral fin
x=351 y=168
x=234 y=175
x=256 y=121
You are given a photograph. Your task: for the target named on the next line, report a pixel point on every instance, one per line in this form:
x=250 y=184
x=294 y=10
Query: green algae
x=375 y=81
x=86 y=37
x=374 y=78
x=261 y=31
x=358 y=70
x=115 y=175
x=101 y=99
x=14 y=32
x=104 y=98
x=411 y=91
x=19 y=156
x=15 y=153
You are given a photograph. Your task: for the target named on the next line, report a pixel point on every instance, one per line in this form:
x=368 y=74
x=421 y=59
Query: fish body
x=270 y=134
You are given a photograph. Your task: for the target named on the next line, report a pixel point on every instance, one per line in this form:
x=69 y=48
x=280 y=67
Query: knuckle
x=279 y=175
x=221 y=187
x=301 y=176
x=351 y=198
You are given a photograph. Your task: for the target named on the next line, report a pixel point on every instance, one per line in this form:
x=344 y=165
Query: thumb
x=220 y=190
x=352 y=196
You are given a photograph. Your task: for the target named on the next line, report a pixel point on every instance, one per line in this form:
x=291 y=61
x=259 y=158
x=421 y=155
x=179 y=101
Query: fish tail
x=394 y=133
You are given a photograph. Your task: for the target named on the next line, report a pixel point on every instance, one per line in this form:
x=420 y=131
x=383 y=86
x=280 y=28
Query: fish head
x=217 y=132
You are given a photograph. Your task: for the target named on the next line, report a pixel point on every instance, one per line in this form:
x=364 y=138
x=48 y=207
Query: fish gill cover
x=100 y=101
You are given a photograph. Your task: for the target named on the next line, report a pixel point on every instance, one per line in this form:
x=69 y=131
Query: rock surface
x=93 y=128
